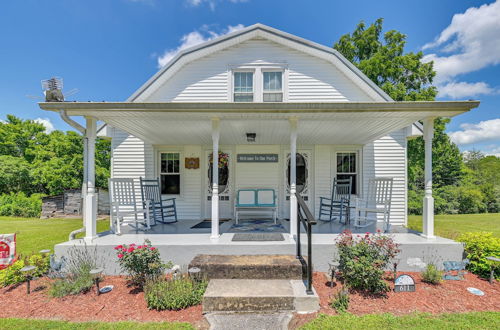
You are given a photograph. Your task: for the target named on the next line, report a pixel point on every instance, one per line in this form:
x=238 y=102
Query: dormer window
x=273 y=86
x=243 y=87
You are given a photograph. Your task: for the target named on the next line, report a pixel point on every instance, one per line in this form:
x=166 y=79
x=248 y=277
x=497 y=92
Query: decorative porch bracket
x=215 y=178
x=428 y=207
x=293 y=175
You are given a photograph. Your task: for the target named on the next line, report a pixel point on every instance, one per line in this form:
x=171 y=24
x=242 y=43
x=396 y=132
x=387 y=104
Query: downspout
x=82 y=130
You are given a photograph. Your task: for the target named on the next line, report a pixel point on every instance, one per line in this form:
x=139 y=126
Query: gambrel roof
x=261 y=31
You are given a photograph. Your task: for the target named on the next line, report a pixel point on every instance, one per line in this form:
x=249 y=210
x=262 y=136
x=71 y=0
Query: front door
x=304 y=179
x=225 y=185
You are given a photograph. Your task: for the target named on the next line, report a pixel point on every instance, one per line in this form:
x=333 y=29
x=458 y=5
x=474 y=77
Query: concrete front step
x=248 y=266
x=251 y=295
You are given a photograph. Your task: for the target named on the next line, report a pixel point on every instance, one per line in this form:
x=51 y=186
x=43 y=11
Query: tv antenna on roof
x=52 y=89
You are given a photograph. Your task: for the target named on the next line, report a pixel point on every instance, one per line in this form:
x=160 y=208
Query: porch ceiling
x=319 y=123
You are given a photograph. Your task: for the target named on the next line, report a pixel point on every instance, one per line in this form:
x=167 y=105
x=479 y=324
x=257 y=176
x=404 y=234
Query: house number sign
x=404 y=283
x=257 y=158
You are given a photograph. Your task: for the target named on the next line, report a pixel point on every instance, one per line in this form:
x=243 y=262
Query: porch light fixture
x=251 y=137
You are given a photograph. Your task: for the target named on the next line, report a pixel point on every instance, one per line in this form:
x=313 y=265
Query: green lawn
x=452 y=225
x=34 y=234
x=45 y=324
x=476 y=320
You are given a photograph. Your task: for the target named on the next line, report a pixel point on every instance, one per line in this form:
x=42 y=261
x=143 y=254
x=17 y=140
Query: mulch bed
x=126 y=304
x=122 y=304
x=448 y=297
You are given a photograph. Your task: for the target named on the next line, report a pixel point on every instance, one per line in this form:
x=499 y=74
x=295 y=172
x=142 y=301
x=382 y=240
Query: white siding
x=310 y=78
x=386 y=157
x=189 y=202
x=323 y=173
x=131 y=158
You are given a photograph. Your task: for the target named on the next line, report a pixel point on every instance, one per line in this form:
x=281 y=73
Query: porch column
x=428 y=211
x=90 y=214
x=215 y=178
x=293 y=176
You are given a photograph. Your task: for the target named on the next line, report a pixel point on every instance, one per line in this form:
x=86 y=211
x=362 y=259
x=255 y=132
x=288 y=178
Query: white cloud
x=470 y=43
x=49 y=127
x=211 y=3
x=475 y=36
x=3 y=121
x=492 y=151
x=194 y=38
x=473 y=133
x=457 y=90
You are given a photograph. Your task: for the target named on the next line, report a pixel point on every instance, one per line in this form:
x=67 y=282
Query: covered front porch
x=290 y=126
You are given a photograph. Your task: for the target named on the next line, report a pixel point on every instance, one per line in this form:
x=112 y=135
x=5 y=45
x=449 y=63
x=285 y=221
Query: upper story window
x=170 y=174
x=243 y=87
x=273 y=86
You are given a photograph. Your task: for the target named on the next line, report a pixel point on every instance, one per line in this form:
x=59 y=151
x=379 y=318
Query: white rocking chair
x=376 y=200
x=123 y=203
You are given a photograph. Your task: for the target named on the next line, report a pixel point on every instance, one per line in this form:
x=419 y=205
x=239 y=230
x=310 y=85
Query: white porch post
x=215 y=178
x=293 y=176
x=428 y=211
x=90 y=214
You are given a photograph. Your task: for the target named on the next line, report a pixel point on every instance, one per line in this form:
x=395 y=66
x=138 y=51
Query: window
x=170 y=173
x=243 y=87
x=347 y=168
x=273 y=86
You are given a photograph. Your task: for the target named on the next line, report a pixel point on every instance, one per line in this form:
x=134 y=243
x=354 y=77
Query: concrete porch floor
x=322 y=227
x=180 y=244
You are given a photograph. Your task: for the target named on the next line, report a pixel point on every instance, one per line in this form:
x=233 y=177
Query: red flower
x=120 y=255
x=130 y=249
x=152 y=248
x=133 y=244
x=118 y=247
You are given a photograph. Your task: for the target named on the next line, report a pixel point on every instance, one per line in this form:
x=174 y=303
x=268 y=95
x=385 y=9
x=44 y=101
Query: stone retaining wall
x=70 y=204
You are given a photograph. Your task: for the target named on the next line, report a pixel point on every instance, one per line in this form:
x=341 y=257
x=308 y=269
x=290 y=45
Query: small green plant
x=363 y=258
x=13 y=275
x=432 y=275
x=175 y=293
x=20 y=205
x=78 y=279
x=341 y=301
x=140 y=262
x=478 y=246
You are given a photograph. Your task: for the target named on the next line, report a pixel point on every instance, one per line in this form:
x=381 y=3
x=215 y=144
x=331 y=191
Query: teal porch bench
x=256 y=201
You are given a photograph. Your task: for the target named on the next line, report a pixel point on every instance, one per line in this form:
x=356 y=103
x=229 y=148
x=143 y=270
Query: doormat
x=207 y=224
x=259 y=226
x=258 y=237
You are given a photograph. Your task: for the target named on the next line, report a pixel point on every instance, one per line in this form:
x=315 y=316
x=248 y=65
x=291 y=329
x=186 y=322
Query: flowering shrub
x=141 y=262
x=363 y=258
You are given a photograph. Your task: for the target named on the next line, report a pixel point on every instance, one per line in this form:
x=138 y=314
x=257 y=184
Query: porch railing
x=305 y=217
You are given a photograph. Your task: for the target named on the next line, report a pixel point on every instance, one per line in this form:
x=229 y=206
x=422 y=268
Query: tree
x=34 y=161
x=404 y=77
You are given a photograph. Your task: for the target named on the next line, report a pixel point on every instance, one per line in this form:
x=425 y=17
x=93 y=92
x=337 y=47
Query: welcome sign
x=257 y=158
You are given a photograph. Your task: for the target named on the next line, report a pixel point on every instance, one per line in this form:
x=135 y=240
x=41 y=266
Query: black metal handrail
x=305 y=217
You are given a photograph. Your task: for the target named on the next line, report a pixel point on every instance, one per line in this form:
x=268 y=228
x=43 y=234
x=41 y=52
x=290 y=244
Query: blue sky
x=108 y=48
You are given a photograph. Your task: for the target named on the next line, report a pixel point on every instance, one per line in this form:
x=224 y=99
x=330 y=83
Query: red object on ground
x=7 y=250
